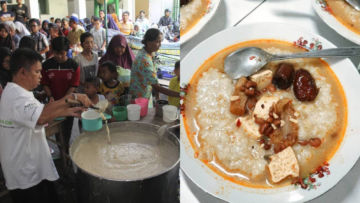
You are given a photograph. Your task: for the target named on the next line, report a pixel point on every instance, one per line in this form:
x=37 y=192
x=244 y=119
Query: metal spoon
x=249 y=60
x=354 y=3
x=161 y=133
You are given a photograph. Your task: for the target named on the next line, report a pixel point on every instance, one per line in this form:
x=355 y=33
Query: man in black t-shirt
x=5 y=15
x=21 y=12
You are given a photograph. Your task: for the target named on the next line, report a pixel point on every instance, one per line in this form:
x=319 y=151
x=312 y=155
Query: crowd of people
x=44 y=63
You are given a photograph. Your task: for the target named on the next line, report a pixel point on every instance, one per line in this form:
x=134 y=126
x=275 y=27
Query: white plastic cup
x=133 y=111
x=170 y=113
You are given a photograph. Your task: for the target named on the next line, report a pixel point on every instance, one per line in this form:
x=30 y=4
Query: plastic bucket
x=143 y=102
x=120 y=113
x=91 y=120
x=133 y=111
x=170 y=113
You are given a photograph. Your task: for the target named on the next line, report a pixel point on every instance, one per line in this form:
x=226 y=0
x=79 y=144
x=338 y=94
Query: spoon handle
x=341 y=52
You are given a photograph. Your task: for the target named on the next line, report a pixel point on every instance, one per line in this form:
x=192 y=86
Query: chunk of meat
x=284 y=76
x=283 y=164
x=287 y=134
x=262 y=79
x=304 y=86
x=238 y=106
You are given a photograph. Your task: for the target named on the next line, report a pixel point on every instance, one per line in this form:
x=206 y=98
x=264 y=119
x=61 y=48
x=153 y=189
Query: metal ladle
x=354 y=3
x=249 y=60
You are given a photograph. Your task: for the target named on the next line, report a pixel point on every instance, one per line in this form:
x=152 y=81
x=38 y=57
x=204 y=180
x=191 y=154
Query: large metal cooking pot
x=162 y=187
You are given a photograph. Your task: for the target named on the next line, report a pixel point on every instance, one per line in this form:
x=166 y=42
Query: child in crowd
x=5 y=37
x=65 y=26
x=111 y=87
x=175 y=85
x=42 y=44
x=92 y=86
x=60 y=77
x=99 y=34
x=87 y=60
x=27 y=42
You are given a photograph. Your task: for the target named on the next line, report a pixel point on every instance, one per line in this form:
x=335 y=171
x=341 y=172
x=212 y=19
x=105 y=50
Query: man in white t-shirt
x=24 y=153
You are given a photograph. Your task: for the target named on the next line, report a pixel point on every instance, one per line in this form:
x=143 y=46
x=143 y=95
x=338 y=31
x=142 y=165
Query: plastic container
x=91 y=120
x=120 y=113
x=143 y=102
x=170 y=113
x=133 y=112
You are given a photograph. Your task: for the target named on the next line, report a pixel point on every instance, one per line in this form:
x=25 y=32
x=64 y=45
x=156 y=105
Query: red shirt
x=59 y=77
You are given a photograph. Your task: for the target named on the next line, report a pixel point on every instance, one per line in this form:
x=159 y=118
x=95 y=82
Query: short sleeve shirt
x=112 y=94
x=40 y=42
x=143 y=75
x=59 y=77
x=24 y=153
x=126 y=28
x=6 y=14
x=74 y=36
x=174 y=86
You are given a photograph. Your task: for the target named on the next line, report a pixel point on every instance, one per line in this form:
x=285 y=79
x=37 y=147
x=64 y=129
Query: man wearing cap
x=166 y=19
x=74 y=34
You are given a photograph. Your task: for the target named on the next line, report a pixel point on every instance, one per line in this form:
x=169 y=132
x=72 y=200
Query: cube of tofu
x=262 y=79
x=250 y=127
x=283 y=164
x=263 y=106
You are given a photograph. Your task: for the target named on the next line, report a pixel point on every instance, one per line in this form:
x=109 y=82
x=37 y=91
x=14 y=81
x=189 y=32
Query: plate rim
x=201 y=23
x=334 y=24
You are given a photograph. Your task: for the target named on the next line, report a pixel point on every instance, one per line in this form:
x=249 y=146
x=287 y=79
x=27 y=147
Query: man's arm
x=168 y=92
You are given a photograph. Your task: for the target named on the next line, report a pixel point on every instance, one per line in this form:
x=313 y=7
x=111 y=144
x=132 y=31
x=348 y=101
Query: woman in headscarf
x=21 y=29
x=5 y=37
x=143 y=73
x=5 y=75
x=119 y=52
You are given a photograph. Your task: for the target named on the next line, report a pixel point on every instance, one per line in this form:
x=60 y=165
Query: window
x=44 y=6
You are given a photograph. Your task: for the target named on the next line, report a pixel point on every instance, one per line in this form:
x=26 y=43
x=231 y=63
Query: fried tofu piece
x=283 y=164
x=262 y=79
x=263 y=106
x=250 y=127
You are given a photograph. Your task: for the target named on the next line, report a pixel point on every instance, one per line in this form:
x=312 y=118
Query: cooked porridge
x=346 y=14
x=191 y=12
x=130 y=156
x=264 y=131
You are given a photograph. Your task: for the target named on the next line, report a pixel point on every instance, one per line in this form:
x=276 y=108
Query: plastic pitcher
x=133 y=111
x=170 y=113
x=120 y=113
x=143 y=102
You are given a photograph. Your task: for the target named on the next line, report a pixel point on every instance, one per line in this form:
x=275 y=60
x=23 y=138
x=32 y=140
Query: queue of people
x=42 y=61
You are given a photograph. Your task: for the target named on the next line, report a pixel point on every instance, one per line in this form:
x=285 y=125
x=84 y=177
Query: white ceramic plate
x=340 y=164
x=213 y=5
x=332 y=22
